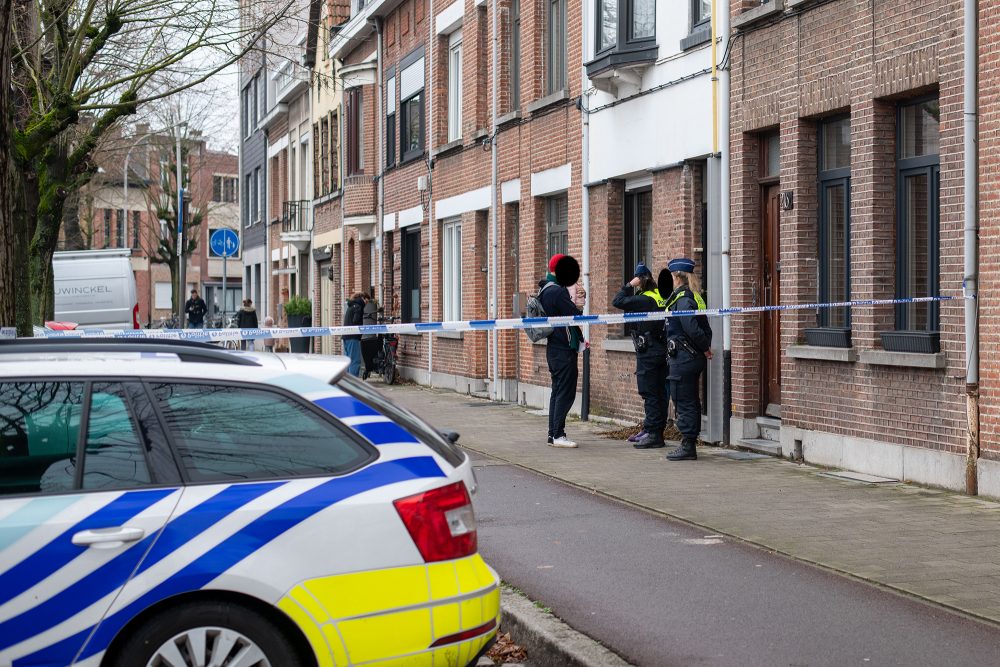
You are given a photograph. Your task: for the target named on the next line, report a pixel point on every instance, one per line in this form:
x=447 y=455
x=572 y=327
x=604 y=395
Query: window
x=248 y=209
x=515 y=54
x=772 y=156
x=261 y=196
x=455 y=86
x=390 y=122
x=355 y=128
x=607 y=35
x=835 y=221
x=325 y=186
x=229 y=432
x=411 y=275
x=107 y=228
x=638 y=232
x=451 y=269
x=701 y=12
x=113 y=456
x=120 y=229
x=262 y=97
x=224 y=189
x=918 y=182
x=556 y=225
x=39 y=434
x=136 y=224
x=625 y=25
x=254 y=101
x=555 y=46
x=246 y=118
x=411 y=110
x=164 y=299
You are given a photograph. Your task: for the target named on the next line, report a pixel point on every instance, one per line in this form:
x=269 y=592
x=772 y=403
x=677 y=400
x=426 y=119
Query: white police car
x=170 y=504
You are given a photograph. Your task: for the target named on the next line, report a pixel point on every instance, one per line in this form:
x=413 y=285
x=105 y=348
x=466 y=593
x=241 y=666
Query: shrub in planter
x=299 y=312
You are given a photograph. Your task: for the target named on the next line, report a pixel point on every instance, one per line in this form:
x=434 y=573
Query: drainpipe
x=380 y=122
x=971 y=244
x=429 y=94
x=585 y=215
x=720 y=100
x=494 y=288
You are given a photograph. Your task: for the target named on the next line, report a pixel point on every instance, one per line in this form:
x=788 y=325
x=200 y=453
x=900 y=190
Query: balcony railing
x=296 y=216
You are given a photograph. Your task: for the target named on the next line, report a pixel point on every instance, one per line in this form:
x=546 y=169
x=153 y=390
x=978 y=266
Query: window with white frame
x=411 y=121
x=390 y=122
x=451 y=269
x=261 y=195
x=164 y=298
x=455 y=86
x=254 y=212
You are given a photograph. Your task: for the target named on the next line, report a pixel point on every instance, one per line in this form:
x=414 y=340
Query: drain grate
x=743 y=456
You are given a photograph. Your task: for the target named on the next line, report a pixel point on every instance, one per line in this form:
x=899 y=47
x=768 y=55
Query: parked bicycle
x=171 y=322
x=387 y=357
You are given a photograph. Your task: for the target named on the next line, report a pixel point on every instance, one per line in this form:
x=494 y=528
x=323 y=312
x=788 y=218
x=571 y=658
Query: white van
x=96 y=289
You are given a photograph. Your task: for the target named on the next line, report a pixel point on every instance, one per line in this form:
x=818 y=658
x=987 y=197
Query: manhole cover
x=744 y=456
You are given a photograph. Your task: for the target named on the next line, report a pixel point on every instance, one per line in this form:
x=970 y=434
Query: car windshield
x=412 y=423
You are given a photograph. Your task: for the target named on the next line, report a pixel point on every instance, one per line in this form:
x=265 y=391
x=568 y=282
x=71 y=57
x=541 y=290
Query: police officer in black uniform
x=689 y=345
x=642 y=296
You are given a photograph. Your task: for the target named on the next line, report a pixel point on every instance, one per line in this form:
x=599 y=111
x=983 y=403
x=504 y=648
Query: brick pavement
x=937 y=545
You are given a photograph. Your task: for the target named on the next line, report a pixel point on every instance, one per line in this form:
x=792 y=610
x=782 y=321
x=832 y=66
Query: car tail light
x=466 y=634
x=441 y=522
x=135 y=316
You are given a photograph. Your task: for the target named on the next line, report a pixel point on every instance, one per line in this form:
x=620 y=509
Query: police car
x=171 y=503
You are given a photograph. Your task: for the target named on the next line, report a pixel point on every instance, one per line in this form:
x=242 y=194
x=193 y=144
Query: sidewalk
x=937 y=545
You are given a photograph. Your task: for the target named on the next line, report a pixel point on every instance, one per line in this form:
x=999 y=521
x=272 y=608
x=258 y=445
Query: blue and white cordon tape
x=213 y=335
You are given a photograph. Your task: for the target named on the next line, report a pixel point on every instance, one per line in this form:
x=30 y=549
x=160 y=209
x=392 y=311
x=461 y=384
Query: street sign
x=224 y=243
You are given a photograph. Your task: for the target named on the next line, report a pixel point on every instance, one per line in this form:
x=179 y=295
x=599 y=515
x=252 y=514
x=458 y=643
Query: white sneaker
x=563 y=442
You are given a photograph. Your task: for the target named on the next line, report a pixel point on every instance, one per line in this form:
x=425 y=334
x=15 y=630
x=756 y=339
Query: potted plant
x=298 y=309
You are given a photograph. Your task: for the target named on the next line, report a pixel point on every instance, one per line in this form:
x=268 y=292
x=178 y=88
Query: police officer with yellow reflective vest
x=641 y=295
x=689 y=345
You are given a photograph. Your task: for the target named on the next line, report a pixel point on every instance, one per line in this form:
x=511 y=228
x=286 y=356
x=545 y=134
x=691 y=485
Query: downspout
x=971 y=243
x=585 y=215
x=380 y=196
x=429 y=94
x=720 y=104
x=494 y=288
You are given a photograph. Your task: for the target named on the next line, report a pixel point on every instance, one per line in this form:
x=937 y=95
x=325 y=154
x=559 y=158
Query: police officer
x=641 y=295
x=689 y=345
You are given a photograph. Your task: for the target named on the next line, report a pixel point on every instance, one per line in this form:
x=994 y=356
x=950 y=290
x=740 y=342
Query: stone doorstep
x=761 y=446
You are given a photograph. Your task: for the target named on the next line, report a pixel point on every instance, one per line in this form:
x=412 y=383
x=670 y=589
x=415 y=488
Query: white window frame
x=261 y=196
x=455 y=86
x=163 y=294
x=451 y=269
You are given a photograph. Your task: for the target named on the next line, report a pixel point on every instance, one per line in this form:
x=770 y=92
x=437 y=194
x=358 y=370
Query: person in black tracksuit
x=562 y=345
x=642 y=296
x=689 y=346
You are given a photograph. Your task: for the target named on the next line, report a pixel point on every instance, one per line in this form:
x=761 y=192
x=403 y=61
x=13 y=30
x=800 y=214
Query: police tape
x=222 y=335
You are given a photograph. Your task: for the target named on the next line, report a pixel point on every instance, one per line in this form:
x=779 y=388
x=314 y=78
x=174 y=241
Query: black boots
x=686 y=452
x=650 y=441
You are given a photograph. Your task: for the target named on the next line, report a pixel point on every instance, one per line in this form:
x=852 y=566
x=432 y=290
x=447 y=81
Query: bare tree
x=78 y=68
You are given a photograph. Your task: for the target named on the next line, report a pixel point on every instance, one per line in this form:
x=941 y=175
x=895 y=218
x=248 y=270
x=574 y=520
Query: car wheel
x=208 y=633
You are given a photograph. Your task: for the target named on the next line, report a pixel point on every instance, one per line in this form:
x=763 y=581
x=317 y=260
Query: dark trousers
x=369 y=348
x=684 y=376
x=651 y=370
x=562 y=367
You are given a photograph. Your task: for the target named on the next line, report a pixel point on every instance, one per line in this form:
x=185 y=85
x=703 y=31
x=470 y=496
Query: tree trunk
x=52 y=191
x=73 y=234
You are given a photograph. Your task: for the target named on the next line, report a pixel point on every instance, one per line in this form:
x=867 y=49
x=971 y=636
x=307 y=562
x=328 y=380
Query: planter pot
x=828 y=337
x=921 y=342
x=300 y=345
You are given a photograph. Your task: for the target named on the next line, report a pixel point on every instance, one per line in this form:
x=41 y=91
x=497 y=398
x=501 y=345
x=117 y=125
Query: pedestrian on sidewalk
x=563 y=344
x=689 y=346
x=195 y=309
x=247 y=319
x=354 y=317
x=268 y=343
x=641 y=295
x=369 y=341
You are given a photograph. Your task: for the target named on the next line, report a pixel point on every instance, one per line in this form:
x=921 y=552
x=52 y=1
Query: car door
x=82 y=498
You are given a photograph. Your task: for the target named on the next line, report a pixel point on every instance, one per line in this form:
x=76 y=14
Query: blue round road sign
x=224 y=243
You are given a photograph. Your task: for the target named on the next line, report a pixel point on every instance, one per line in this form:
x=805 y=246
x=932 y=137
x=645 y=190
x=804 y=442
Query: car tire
x=215 y=625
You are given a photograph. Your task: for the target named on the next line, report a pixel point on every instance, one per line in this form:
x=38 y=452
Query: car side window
x=114 y=457
x=39 y=435
x=234 y=432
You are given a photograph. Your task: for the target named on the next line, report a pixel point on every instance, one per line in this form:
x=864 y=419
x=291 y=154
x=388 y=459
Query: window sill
x=412 y=158
x=618 y=345
x=447 y=148
x=758 y=14
x=514 y=115
x=701 y=34
x=453 y=335
x=548 y=100
x=819 y=353
x=480 y=134
x=904 y=359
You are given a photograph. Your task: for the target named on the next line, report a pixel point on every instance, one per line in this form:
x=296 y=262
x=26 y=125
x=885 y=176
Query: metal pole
x=380 y=124
x=181 y=268
x=125 y=196
x=585 y=219
x=971 y=242
x=429 y=85
x=494 y=170
x=225 y=262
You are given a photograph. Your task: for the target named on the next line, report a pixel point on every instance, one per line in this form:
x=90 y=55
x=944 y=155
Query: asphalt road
x=659 y=592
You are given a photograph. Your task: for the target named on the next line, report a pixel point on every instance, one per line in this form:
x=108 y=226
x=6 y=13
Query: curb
x=549 y=641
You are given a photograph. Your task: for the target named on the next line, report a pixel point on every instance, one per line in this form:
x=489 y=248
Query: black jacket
x=638 y=303
x=556 y=301
x=195 y=309
x=354 y=317
x=246 y=318
x=693 y=328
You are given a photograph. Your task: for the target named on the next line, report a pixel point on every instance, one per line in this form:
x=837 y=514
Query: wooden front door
x=770 y=290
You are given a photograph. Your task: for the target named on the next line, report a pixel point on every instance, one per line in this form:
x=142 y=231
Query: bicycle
x=171 y=322
x=387 y=357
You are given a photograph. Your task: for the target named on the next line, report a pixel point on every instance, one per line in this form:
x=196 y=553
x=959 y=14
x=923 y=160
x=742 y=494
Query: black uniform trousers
x=562 y=368
x=651 y=371
x=369 y=348
x=685 y=371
